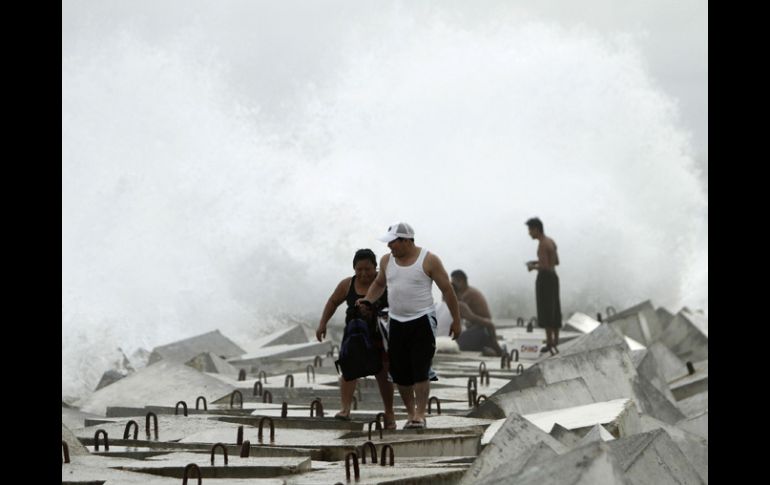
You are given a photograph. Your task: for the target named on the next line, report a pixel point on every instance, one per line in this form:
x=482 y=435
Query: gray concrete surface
x=162 y=383
x=183 y=350
x=603 y=410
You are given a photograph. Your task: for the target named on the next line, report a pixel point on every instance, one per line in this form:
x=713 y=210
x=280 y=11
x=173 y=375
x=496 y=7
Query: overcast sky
x=295 y=41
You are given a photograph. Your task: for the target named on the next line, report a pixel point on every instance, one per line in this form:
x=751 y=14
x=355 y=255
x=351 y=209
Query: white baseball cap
x=397 y=230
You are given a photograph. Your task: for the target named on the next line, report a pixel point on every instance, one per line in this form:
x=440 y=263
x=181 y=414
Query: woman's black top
x=352 y=296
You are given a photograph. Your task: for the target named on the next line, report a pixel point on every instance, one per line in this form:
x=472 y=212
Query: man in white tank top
x=409 y=275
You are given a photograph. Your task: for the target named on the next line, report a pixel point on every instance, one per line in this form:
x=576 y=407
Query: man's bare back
x=475 y=301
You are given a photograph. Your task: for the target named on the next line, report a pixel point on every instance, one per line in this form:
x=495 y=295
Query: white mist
x=208 y=183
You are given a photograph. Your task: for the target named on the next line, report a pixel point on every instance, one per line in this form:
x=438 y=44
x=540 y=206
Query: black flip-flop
x=342 y=417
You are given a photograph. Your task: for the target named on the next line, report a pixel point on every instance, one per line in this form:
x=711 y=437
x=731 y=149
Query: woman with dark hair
x=350 y=290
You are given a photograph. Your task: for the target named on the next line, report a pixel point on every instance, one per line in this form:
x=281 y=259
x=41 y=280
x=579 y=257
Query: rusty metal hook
x=147 y=423
x=245 y=447
x=392 y=457
x=197 y=402
x=96 y=440
x=368 y=445
x=214 y=449
x=438 y=405
x=378 y=427
x=531 y=324
x=184 y=407
x=289 y=379
x=66 y=450
x=188 y=469
x=356 y=471
x=267 y=396
x=128 y=429
x=232 y=398
x=272 y=429
x=377 y=418
x=483 y=375
x=316 y=408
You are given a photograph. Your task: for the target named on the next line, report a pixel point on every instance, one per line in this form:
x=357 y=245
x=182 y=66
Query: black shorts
x=411 y=346
x=547 y=297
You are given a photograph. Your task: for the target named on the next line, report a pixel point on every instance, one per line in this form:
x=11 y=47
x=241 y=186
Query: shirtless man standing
x=546 y=285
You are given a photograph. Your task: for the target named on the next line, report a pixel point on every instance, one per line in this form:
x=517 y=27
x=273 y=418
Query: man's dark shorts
x=547 y=296
x=410 y=349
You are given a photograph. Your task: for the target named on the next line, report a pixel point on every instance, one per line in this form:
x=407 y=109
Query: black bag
x=358 y=355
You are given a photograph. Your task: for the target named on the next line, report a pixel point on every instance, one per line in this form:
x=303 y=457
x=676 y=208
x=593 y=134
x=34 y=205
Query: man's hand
x=455 y=329
x=365 y=307
x=320 y=333
x=531 y=265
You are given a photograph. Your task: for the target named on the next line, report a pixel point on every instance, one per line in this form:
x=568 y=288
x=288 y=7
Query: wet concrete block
x=639 y=322
x=692 y=446
x=182 y=351
x=694 y=405
x=593 y=464
x=647 y=367
x=595 y=434
x=697 y=425
x=652 y=458
x=670 y=367
x=608 y=372
x=516 y=436
x=558 y=395
x=685 y=339
x=654 y=403
x=162 y=383
x=307 y=349
x=502 y=473
x=565 y=436
x=208 y=362
x=601 y=336
x=618 y=416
